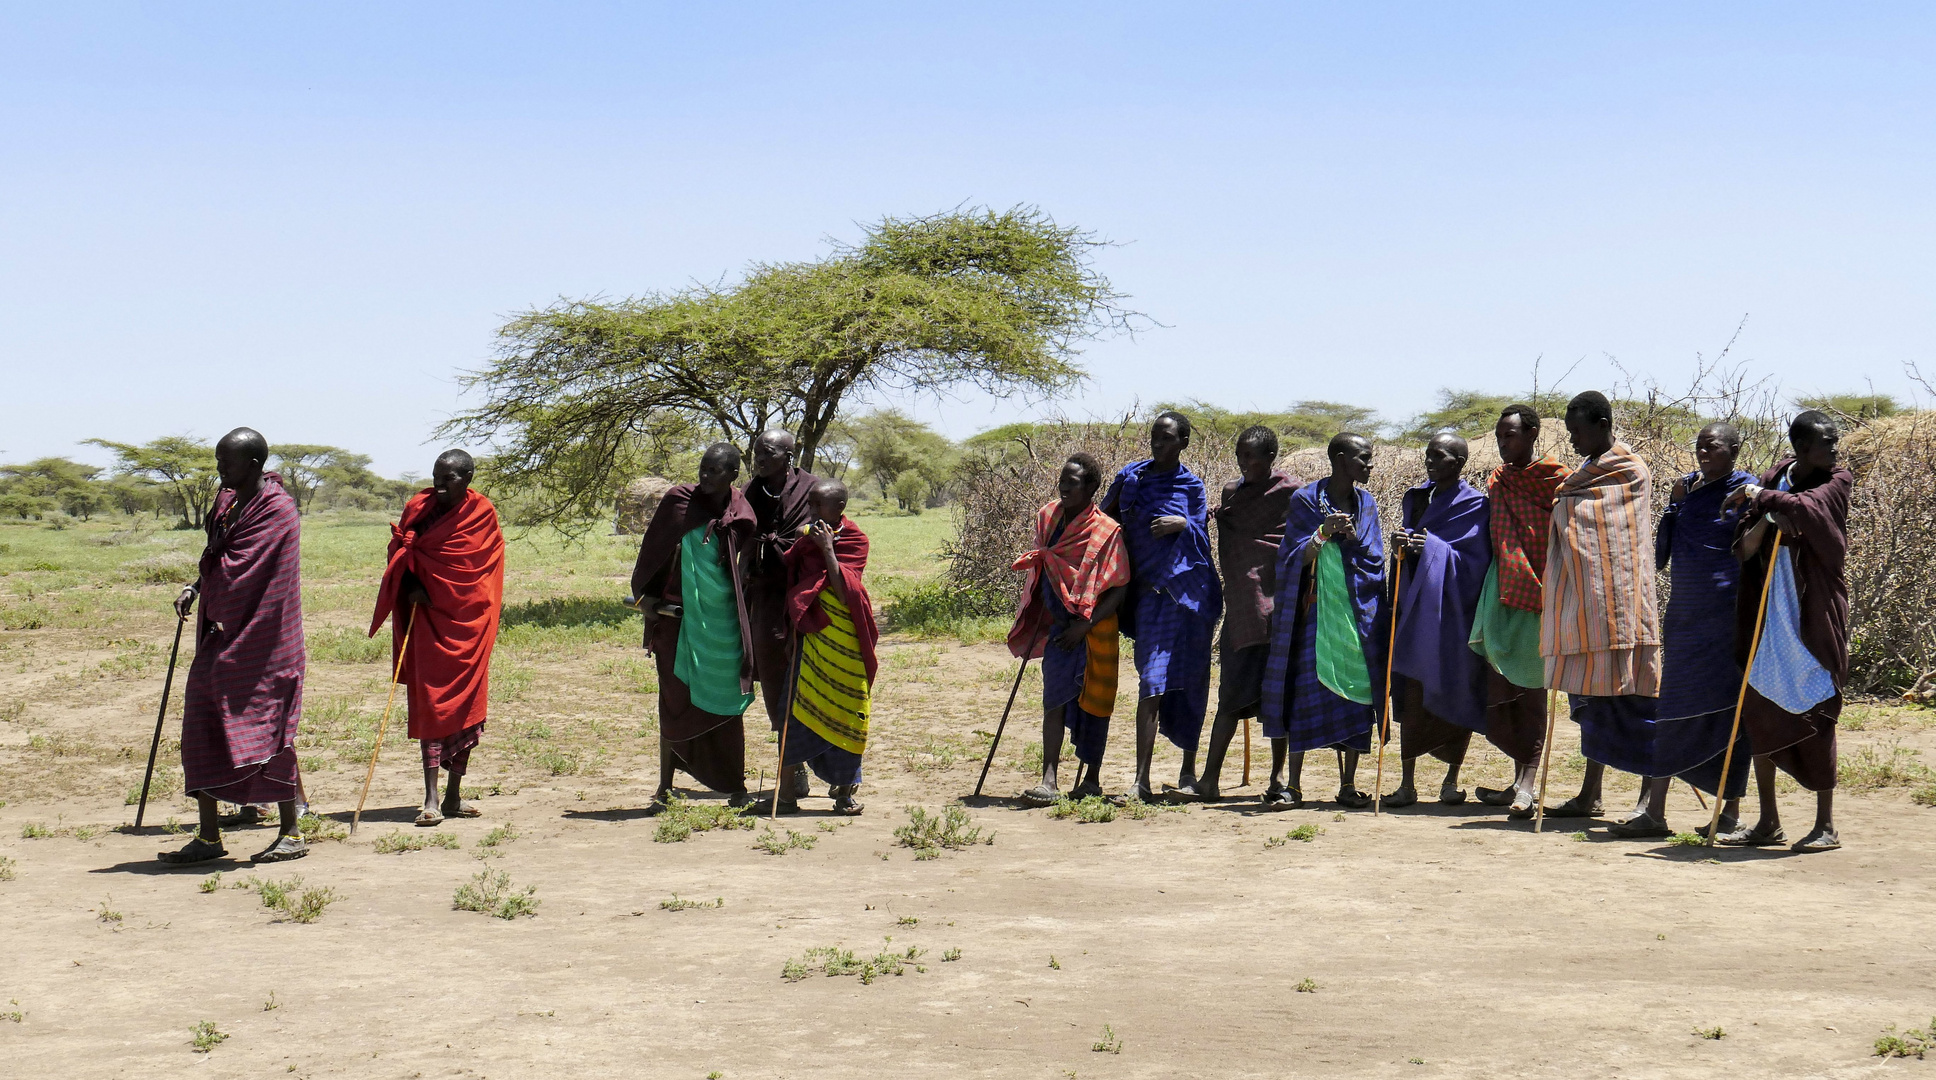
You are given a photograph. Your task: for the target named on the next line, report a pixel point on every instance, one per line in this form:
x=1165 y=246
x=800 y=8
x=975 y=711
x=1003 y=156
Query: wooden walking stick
x=155 y=746
x=1384 y=725
x=1012 y=691
x=402 y=651
x=1546 y=757
x=786 y=720
x=1741 y=699
x=1246 y=723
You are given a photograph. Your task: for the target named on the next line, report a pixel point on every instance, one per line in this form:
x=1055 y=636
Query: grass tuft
x=834 y=961
x=682 y=817
x=949 y=956
x=1307 y=985
x=1088 y=810
x=206 y=1037
x=398 y=842
x=931 y=834
x=489 y=892
x=6 y=868
x=676 y=904
x=774 y=844
x=34 y=830
x=1686 y=839
x=211 y=883
x=1110 y=1043
x=1715 y=1032
x=1915 y=1042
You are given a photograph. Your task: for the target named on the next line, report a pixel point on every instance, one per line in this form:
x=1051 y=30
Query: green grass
x=1915 y=1042
x=398 y=842
x=931 y=834
x=1089 y=810
x=774 y=844
x=682 y=817
x=833 y=962
x=490 y=892
x=676 y=904
x=205 y=1036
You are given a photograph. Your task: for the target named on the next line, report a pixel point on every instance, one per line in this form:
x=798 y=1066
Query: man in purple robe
x=243 y=697
x=777 y=493
x=1174 y=597
x=1795 y=688
x=1438 y=682
x=1326 y=665
x=1250 y=526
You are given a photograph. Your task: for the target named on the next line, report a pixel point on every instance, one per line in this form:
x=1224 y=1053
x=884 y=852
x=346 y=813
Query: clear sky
x=309 y=218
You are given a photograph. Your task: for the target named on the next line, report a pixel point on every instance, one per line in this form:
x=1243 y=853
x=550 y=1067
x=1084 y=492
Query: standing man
x=1439 y=683
x=687 y=585
x=1250 y=527
x=243 y=698
x=777 y=492
x=1174 y=599
x=1505 y=629
x=1700 y=678
x=444 y=585
x=830 y=611
x=1078 y=575
x=1599 y=634
x=1326 y=665
x=1795 y=689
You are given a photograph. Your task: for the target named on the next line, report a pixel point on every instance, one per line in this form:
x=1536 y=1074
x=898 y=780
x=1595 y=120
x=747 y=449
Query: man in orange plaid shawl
x=1078 y=574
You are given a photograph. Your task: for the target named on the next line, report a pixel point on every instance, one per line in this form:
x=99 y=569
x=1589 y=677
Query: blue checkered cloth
x=1317 y=717
x=1173 y=662
x=1785 y=672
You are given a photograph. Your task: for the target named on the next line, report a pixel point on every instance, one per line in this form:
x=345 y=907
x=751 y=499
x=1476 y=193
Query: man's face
x=1515 y=442
x=1074 y=489
x=827 y=508
x=235 y=467
x=1714 y=455
x=1254 y=462
x=715 y=475
x=772 y=455
x=1442 y=460
x=449 y=482
x=1823 y=451
x=1353 y=461
x=1166 y=441
x=1589 y=437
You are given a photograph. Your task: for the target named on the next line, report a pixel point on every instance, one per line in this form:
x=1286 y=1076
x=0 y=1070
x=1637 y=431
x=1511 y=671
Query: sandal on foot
x=1641 y=826
x=1399 y=799
x=1497 y=796
x=1039 y=796
x=1208 y=792
x=1451 y=796
x=1751 y=838
x=1819 y=840
x=1353 y=799
x=844 y=802
x=1173 y=794
x=1282 y=798
x=738 y=799
x=427 y=818
x=1085 y=790
x=1728 y=825
x=464 y=808
x=197 y=850
x=288 y=846
x=1573 y=807
x=1524 y=805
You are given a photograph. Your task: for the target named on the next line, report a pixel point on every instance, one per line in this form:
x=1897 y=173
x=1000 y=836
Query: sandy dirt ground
x=1433 y=942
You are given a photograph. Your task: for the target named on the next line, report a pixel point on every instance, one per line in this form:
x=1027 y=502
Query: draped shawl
x=1818 y=512
x=1695 y=542
x=1599 y=626
x=1522 y=512
x=807 y=570
x=459 y=559
x=1178 y=564
x=1250 y=526
x=1439 y=597
x=655 y=576
x=1087 y=560
x=1361 y=554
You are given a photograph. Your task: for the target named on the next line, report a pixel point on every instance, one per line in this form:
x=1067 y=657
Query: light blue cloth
x=1785 y=672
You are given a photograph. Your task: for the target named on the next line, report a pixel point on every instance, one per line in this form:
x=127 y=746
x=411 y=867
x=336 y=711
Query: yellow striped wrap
x=831 y=693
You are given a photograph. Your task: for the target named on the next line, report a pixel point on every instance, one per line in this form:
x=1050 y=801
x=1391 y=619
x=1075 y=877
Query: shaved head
x=1453 y=445
x=828 y=498
x=246 y=443
x=458 y=461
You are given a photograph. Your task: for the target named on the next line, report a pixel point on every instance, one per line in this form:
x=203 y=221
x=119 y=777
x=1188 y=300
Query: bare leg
x=1046 y=792
x=1822 y=837
x=1407 y=793
x=1222 y=730
x=1186 y=775
x=1592 y=785
x=1348 y=776
x=1146 y=716
x=453 y=800
x=1450 y=793
x=211 y=815
x=1653 y=797
x=1294 y=765
x=1770 y=822
x=665 y=772
x=430 y=792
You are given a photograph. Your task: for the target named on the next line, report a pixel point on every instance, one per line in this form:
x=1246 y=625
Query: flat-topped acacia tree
x=997 y=301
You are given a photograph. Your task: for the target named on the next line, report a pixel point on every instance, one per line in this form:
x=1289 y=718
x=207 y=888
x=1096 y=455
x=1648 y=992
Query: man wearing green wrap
x=687 y=584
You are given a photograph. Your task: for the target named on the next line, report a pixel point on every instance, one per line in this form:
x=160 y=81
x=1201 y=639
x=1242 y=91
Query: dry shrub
x=1892 y=580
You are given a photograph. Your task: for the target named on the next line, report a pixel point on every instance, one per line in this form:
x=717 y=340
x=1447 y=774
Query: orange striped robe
x=1599 y=631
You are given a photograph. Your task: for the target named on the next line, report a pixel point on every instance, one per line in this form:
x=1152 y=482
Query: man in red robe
x=445 y=586
x=243 y=698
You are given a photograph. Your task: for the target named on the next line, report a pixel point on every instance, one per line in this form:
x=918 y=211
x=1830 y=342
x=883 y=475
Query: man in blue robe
x=1174 y=597
x=1438 y=682
x=1700 y=679
x=1326 y=666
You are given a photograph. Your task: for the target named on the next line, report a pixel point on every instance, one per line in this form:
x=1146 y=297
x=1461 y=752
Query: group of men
x=1480 y=606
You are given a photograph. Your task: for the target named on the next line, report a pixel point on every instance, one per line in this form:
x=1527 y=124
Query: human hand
x=417 y=595
x=185 y=603
x=1742 y=496
x=1680 y=490
x=1167 y=525
x=1072 y=633
x=1335 y=522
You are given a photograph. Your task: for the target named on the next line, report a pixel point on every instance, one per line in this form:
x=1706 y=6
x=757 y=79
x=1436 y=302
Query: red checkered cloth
x=1522 y=511
x=1087 y=560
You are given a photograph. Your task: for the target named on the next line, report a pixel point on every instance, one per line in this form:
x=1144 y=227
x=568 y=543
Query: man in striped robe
x=833 y=621
x=1599 y=633
x=1795 y=686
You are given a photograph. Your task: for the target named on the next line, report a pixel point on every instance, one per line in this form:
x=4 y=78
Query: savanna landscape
x=937 y=934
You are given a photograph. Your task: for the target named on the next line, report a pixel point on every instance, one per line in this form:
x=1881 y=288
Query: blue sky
x=310 y=218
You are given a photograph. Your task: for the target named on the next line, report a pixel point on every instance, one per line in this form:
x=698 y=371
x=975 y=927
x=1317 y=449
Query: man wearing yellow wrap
x=834 y=664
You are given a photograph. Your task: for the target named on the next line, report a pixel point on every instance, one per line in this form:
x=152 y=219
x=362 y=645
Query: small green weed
x=1686 y=839
x=1716 y=1032
x=907 y=920
x=272 y=1004
x=106 y=913
x=34 y=830
x=774 y=844
x=931 y=834
x=834 y=961
x=314 y=829
x=490 y=892
x=6 y=868
x=1054 y=964
x=676 y=904
x=1110 y=1043
x=398 y=842
x=1088 y=810
x=211 y=883
x=207 y=1037
x=498 y=837
x=950 y=956
x=682 y=817
x=1307 y=985
x=1915 y=1042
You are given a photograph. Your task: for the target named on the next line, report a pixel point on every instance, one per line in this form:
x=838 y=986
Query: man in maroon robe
x=710 y=746
x=445 y=584
x=243 y=697
x=777 y=493
x=1250 y=526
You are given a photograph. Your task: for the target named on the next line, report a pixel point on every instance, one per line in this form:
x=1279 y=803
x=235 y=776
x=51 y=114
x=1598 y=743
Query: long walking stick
x=1384 y=724
x=1546 y=757
x=402 y=651
x=786 y=719
x=1012 y=691
x=1246 y=723
x=1741 y=699
x=155 y=746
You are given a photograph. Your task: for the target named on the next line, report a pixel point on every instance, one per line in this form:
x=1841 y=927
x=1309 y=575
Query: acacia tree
x=185 y=466
x=995 y=301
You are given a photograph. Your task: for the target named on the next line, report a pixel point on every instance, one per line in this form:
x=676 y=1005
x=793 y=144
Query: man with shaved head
x=688 y=586
x=243 y=698
x=444 y=585
x=778 y=494
x=1326 y=668
x=833 y=619
x=1439 y=683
